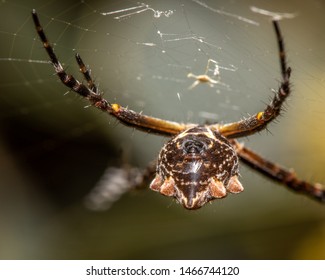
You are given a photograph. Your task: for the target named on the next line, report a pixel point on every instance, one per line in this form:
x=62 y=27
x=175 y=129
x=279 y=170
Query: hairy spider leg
x=278 y=173
x=86 y=72
x=124 y=115
x=260 y=120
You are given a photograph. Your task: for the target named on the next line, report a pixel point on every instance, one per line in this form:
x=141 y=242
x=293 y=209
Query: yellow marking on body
x=116 y=107
x=259 y=116
x=208 y=133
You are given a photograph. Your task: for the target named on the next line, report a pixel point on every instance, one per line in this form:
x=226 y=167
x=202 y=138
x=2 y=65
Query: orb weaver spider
x=200 y=162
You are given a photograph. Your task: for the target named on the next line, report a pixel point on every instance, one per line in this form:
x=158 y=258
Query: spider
x=204 y=78
x=199 y=163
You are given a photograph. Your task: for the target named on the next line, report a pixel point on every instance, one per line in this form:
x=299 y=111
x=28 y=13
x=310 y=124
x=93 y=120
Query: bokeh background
x=53 y=148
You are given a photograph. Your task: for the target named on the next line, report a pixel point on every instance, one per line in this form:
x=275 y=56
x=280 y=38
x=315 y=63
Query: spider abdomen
x=196 y=166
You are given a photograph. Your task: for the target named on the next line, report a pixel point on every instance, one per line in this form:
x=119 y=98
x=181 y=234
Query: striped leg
x=279 y=174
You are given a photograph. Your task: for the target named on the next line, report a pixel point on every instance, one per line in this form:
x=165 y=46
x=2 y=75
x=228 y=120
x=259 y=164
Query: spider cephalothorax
x=196 y=166
x=199 y=163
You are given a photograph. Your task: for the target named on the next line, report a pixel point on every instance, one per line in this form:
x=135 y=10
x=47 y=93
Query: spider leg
x=86 y=72
x=124 y=115
x=116 y=182
x=279 y=174
x=260 y=120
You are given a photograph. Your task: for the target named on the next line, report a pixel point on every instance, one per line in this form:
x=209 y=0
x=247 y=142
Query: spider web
x=146 y=55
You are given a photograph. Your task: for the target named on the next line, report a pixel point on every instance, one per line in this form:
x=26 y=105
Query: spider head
x=196 y=166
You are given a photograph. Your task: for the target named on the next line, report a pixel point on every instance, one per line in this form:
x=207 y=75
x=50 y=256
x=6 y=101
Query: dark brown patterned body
x=196 y=166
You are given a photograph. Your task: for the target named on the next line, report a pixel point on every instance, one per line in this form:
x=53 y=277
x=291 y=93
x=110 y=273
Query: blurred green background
x=53 y=150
